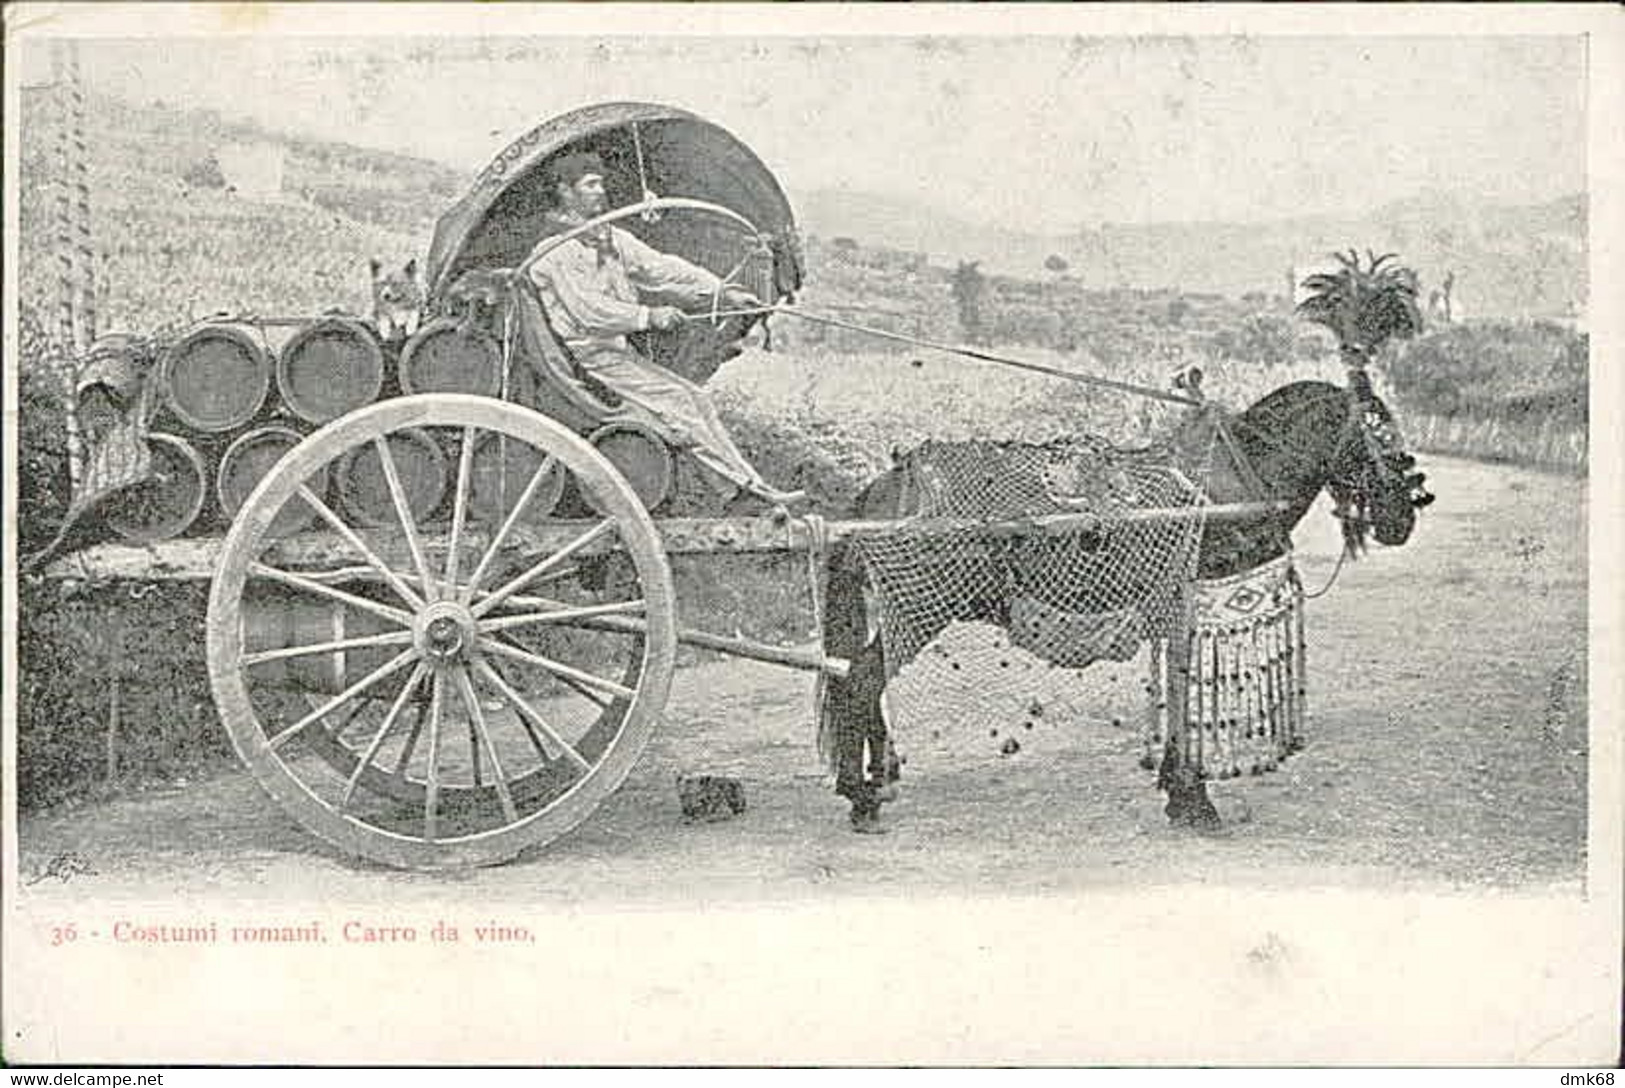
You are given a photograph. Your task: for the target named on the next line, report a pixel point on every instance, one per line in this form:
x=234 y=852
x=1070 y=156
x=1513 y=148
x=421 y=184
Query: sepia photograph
x=729 y=535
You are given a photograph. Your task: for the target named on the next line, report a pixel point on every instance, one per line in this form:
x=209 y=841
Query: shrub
x=1261 y=338
x=43 y=484
x=1482 y=369
x=1025 y=323
x=71 y=646
x=205 y=174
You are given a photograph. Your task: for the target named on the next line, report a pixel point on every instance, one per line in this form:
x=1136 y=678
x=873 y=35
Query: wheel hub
x=445 y=631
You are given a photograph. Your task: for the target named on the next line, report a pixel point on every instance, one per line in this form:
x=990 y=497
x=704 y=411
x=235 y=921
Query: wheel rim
x=480 y=697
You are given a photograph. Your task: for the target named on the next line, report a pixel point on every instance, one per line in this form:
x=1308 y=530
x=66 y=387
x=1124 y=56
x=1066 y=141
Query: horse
x=1293 y=443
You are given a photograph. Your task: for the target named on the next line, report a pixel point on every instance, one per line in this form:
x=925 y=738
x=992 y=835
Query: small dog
x=397 y=301
x=710 y=797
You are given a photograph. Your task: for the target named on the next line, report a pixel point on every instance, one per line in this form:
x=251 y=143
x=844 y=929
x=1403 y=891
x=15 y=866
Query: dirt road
x=1447 y=748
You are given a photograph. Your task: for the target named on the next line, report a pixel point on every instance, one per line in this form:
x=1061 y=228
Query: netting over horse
x=1084 y=552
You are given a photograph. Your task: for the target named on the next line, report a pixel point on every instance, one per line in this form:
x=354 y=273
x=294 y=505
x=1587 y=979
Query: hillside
x=1521 y=261
x=175 y=241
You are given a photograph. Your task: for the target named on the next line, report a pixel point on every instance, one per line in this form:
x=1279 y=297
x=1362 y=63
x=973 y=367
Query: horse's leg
x=1188 y=802
x=852 y=703
x=862 y=777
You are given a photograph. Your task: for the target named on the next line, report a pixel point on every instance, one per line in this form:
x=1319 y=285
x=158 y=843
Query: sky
x=1043 y=133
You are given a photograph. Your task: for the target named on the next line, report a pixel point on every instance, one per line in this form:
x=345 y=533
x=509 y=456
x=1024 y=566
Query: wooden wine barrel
x=642 y=456
x=275 y=620
x=245 y=463
x=501 y=470
x=166 y=505
x=330 y=367
x=215 y=378
x=363 y=488
x=450 y=356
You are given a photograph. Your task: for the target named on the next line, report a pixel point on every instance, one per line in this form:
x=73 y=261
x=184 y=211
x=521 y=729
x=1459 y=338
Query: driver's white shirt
x=592 y=285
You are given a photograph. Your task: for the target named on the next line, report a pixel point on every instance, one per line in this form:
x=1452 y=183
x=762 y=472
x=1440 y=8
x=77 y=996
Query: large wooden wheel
x=446 y=690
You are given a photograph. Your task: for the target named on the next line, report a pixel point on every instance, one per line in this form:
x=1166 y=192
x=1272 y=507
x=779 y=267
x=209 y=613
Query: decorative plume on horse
x=1083 y=552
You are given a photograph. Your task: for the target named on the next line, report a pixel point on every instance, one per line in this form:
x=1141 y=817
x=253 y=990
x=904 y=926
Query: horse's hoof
x=1208 y=823
x=867 y=823
x=1196 y=813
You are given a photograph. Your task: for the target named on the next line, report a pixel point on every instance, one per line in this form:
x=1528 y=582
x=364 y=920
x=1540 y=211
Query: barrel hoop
x=257 y=391
x=437 y=329
x=355 y=330
x=179 y=449
x=609 y=431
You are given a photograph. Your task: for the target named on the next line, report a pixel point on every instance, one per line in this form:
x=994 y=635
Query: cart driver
x=591 y=288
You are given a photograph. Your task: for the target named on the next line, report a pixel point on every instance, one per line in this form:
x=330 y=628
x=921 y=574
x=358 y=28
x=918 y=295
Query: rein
x=1353 y=421
x=1332 y=579
x=969 y=353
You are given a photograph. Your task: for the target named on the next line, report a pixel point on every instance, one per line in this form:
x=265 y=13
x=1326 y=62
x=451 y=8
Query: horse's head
x=1298 y=440
x=1372 y=477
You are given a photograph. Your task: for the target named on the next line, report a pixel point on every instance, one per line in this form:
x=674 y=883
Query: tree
x=969 y=287
x=1057 y=264
x=1364 y=306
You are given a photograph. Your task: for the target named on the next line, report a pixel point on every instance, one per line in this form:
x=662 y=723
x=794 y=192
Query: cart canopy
x=669 y=151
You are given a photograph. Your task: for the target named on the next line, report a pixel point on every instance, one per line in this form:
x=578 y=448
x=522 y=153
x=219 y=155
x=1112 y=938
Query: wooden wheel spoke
x=459 y=503
x=537 y=478
x=557 y=668
x=529 y=715
x=350 y=719
x=546 y=564
x=388 y=638
x=393 y=665
x=544 y=746
x=608 y=622
x=563 y=614
x=614 y=624
x=482 y=733
x=411 y=745
x=384 y=727
x=354 y=540
x=431 y=786
x=403 y=512
x=296 y=580
x=601 y=701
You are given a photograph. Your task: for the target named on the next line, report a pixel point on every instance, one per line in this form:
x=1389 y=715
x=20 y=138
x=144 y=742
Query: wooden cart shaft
x=197 y=558
x=329 y=557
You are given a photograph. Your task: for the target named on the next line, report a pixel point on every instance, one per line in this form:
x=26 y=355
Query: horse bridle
x=1385 y=452
x=1385 y=458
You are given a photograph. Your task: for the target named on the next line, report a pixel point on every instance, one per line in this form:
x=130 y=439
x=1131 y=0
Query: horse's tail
x=825 y=719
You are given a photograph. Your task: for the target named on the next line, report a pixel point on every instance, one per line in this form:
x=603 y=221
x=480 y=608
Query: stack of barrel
x=233 y=401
